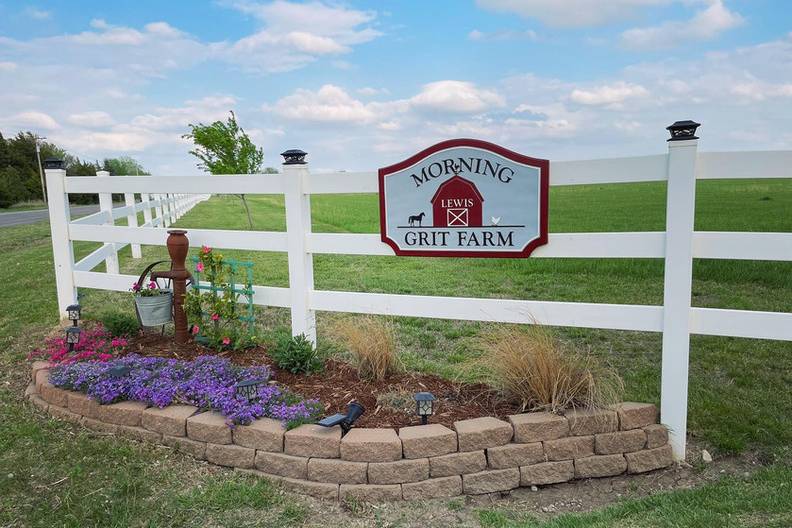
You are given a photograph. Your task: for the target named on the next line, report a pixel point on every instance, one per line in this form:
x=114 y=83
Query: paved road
x=37 y=215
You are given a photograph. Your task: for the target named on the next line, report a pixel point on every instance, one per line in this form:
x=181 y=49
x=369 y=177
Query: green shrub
x=120 y=323
x=296 y=354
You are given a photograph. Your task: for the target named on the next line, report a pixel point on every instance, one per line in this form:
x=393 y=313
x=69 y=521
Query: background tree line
x=19 y=172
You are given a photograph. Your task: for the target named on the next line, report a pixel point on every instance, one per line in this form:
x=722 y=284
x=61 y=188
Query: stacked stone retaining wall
x=476 y=456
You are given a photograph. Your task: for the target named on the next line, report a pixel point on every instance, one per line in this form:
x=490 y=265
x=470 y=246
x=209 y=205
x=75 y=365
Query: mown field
x=740 y=399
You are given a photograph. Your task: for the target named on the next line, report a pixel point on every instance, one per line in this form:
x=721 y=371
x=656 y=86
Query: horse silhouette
x=416 y=218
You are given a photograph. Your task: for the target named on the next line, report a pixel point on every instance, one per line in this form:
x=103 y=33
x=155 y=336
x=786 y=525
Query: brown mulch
x=338 y=384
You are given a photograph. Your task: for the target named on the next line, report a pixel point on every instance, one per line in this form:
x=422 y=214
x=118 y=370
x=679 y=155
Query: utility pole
x=38 y=138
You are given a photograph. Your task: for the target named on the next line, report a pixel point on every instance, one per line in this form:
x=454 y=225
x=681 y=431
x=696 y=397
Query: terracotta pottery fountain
x=178 y=245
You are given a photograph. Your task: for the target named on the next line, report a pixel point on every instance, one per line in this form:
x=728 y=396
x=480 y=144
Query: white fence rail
x=678 y=245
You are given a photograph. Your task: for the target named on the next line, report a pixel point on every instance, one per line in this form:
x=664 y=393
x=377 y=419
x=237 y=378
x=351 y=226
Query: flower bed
x=206 y=382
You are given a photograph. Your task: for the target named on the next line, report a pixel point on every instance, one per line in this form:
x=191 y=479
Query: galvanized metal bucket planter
x=155 y=310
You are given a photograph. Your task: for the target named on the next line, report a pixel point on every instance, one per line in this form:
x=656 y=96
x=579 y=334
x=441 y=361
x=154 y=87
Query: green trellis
x=233 y=268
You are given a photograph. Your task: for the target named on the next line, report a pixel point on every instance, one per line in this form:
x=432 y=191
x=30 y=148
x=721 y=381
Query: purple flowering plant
x=206 y=382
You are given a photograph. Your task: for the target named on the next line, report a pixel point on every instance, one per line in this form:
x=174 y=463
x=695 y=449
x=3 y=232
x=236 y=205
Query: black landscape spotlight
x=424 y=405
x=249 y=388
x=119 y=371
x=354 y=411
x=74 y=313
x=72 y=336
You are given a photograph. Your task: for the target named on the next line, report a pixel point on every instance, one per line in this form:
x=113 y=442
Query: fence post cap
x=294 y=157
x=54 y=163
x=683 y=130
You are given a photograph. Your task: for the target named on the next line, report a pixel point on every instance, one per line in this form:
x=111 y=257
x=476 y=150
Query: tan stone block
x=457 y=463
x=656 y=435
x=282 y=465
x=649 y=459
x=547 y=473
x=336 y=471
x=37 y=366
x=99 y=426
x=433 y=488
x=53 y=395
x=515 y=455
x=430 y=440
x=481 y=433
x=319 y=490
x=170 y=420
x=41 y=377
x=139 y=434
x=122 y=413
x=398 y=472
x=370 y=492
x=538 y=426
x=491 y=481
x=312 y=440
x=62 y=413
x=634 y=415
x=371 y=445
x=194 y=448
x=230 y=455
x=30 y=390
x=265 y=434
x=569 y=448
x=591 y=421
x=83 y=405
x=619 y=442
x=209 y=427
x=39 y=402
x=600 y=466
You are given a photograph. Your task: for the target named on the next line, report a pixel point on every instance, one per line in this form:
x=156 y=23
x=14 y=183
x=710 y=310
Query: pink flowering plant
x=213 y=315
x=95 y=344
x=147 y=290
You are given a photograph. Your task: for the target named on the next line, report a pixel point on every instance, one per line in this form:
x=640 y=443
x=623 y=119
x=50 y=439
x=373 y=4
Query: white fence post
x=172 y=207
x=680 y=214
x=159 y=210
x=298 y=227
x=62 y=248
x=132 y=221
x=144 y=199
x=106 y=206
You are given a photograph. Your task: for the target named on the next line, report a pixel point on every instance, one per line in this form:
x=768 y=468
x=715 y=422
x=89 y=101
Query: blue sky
x=361 y=85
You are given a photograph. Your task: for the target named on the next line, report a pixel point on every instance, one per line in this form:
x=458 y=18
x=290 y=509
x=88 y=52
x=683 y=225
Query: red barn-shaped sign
x=457 y=203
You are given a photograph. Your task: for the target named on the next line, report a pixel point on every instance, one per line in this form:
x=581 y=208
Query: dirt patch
x=388 y=402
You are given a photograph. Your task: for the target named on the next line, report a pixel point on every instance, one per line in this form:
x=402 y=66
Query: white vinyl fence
x=678 y=245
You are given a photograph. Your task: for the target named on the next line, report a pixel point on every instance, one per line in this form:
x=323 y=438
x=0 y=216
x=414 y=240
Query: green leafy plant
x=214 y=316
x=296 y=354
x=120 y=324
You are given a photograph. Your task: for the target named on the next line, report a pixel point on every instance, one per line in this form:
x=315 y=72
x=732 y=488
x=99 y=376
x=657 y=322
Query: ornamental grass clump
x=539 y=372
x=206 y=382
x=371 y=342
x=96 y=344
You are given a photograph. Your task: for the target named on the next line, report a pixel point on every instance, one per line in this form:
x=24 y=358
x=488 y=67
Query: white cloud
x=704 y=25
x=91 y=119
x=330 y=104
x=456 y=97
x=31 y=119
x=7 y=66
x=571 y=13
x=297 y=34
x=369 y=91
x=610 y=94
x=37 y=14
x=503 y=34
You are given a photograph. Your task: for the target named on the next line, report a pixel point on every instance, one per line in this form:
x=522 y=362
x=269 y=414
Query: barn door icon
x=457 y=217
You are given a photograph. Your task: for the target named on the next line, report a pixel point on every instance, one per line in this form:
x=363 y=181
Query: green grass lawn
x=739 y=389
